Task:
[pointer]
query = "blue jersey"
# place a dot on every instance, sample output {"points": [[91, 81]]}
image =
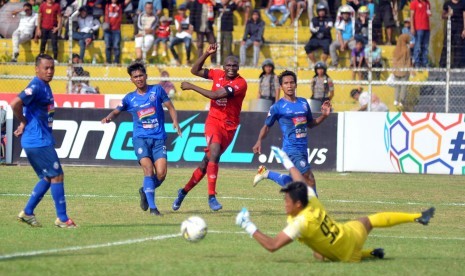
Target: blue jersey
{"points": [[147, 112], [293, 118], [38, 108]]}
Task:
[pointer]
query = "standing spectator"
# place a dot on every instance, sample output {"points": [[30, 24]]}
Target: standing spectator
{"points": [[363, 98], [227, 27], [146, 25], [268, 83], [112, 34], [322, 87], [167, 85], [35, 5], [357, 59], [2, 134], [384, 15], [407, 30], [163, 35], [420, 11], [274, 6], [202, 18], [246, 7], [296, 7], [48, 25], [67, 8], [156, 6], [376, 58], [371, 7], [401, 60], [355, 4], [321, 34], [183, 34], [87, 25], [345, 31], [25, 30], [361, 25], [455, 9], [253, 35]]}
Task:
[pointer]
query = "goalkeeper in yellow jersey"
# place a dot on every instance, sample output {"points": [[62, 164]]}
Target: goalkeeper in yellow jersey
{"points": [[309, 223]]}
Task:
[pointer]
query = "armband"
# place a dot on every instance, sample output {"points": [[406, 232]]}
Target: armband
{"points": [[205, 73], [229, 91]]}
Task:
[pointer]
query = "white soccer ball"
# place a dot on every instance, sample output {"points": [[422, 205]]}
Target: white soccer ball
{"points": [[194, 229]]}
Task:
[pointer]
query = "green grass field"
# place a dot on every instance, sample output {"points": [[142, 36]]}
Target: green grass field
{"points": [[116, 238]]}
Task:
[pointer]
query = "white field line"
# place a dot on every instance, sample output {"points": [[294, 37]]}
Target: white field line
{"points": [[253, 199], [164, 237]]}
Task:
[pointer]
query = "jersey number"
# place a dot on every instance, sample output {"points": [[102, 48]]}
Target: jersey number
{"points": [[329, 229]]}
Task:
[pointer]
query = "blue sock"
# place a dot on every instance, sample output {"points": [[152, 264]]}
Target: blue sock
{"points": [[281, 179], [58, 194], [149, 189], [36, 196], [157, 181]]}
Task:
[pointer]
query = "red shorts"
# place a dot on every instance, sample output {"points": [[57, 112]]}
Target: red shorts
{"points": [[216, 133]]}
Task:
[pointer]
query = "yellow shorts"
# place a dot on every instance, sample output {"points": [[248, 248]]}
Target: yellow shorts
{"points": [[359, 235]]}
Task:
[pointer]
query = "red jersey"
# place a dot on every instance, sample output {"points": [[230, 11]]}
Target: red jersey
{"points": [[421, 10], [163, 31], [114, 16], [49, 15], [228, 109]]}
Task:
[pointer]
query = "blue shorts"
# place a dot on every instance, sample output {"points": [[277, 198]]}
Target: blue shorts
{"points": [[149, 147], [44, 161], [300, 160]]}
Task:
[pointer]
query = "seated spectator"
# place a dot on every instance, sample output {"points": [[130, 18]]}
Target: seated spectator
{"points": [[322, 87], [35, 5], [376, 58], [401, 60], [183, 34], [361, 25], [163, 35], [407, 30], [345, 31], [363, 98], [274, 6], [296, 7], [146, 25], [268, 83], [253, 35], [227, 8], [357, 59], [167, 85], [25, 30], [321, 34], [80, 86], [245, 6], [87, 26], [112, 31], [384, 15], [96, 8]]}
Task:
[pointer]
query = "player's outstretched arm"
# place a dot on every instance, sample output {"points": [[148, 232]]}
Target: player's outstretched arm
{"points": [[113, 115], [325, 111], [218, 94], [197, 67], [174, 116], [17, 107], [257, 148], [269, 243]]}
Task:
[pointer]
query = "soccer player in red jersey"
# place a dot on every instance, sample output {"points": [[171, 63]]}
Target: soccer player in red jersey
{"points": [[227, 94]]}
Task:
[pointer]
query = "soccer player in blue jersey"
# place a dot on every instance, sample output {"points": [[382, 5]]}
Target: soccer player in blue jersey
{"points": [[146, 106], [34, 108], [294, 117]]}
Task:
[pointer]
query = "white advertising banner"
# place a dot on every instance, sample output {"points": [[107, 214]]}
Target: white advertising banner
{"points": [[432, 143]]}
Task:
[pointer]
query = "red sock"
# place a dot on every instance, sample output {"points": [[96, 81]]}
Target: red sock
{"points": [[212, 173], [195, 178]]}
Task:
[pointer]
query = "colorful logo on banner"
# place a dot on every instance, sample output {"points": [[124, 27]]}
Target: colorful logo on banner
{"points": [[427, 143]]}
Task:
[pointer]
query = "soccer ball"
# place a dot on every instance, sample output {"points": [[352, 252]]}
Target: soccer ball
{"points": [[194, 229]]}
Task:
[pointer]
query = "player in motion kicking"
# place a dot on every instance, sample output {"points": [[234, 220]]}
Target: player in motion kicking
{"points": [[227, 93]]}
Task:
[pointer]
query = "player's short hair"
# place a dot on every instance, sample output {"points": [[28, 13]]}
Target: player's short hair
{"points": [[40, 57], [136, 66], [297, 192], [231, 57], [286, 73]]}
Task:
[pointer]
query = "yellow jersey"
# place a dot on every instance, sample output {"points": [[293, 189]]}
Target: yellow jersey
{"points": [[335, 241]]}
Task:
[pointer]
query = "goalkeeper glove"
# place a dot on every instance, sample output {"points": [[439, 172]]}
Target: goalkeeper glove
{"points": [[282, 156], [243, 220]]}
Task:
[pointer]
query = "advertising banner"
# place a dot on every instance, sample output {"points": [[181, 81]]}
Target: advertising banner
{"points": [[429, 143], [65, 100], [82, 139]]}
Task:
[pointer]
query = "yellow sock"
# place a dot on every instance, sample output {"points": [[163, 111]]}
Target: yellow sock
{"points": [[366, 253], [390, 219]]}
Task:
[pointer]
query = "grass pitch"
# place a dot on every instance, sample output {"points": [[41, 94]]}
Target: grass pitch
{"points": [[116, 238]]}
